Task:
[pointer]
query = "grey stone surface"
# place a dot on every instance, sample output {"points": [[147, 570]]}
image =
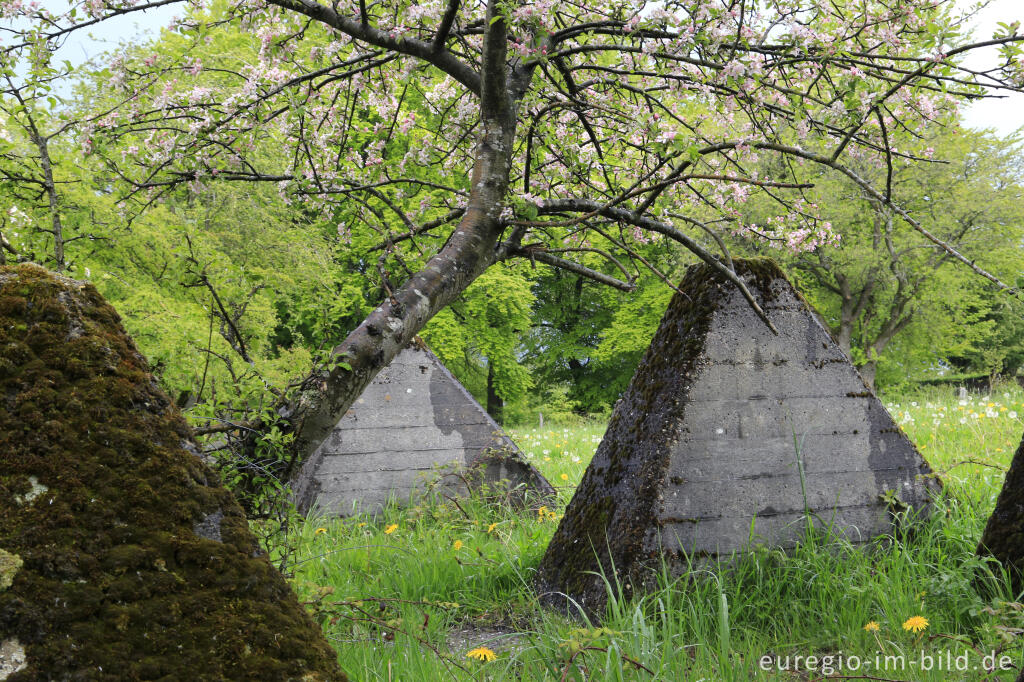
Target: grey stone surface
{"points": [[701, 455], [209, 526], [413, 425], [12, 657]]}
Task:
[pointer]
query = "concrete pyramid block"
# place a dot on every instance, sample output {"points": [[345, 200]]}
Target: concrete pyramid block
{"points": [[413, 423], [700, 457]]}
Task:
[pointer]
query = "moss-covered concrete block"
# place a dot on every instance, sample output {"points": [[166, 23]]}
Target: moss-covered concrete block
{"points": [[133, 562], [729, 436], [1003, 538]]}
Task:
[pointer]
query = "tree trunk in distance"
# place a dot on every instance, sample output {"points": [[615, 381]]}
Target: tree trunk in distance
{"points": [[867, 372], [495, 406]]}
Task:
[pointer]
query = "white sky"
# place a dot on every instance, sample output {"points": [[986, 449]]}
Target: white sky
{"points": [[137, 26], [1004, 115]]}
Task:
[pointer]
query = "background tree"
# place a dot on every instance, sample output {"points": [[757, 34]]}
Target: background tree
{"points": [[26, 164], [501, 127], [478, 337], [587, 338], [884, 282]]}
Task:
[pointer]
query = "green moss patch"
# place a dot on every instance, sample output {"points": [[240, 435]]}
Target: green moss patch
{"points": [[137, 563], [10, 564]]}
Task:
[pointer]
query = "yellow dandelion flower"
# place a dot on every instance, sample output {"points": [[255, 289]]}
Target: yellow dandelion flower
{"points": [[915, 624], [320, 530], [490, 528], [871, 626], [564, 477], [391, 529], [361, 525], [482, 653], [457, 545]]}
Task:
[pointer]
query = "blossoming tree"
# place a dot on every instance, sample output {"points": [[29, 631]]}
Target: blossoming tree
{"points": [[563, 132]]}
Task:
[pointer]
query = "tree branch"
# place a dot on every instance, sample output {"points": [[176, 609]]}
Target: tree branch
{"points": [[446, 25], [644, 222], [392, 239], [442, 59], [538, 253]]}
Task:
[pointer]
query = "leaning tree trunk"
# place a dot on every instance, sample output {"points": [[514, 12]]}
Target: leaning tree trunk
{"points": [[470, 250], [1003, 538], [121, 555]]}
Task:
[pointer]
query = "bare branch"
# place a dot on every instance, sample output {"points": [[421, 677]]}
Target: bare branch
{"points": [[539, 253], [392, 239]]}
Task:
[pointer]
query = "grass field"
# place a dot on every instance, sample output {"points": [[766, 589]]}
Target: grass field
{"points": [[408, 595]]}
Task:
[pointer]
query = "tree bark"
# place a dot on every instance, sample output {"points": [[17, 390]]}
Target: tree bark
{"points": [[1003, 538], [5, 246]]}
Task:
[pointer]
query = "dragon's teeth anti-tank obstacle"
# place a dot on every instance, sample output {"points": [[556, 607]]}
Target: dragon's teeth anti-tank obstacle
{"points": [[725, 436], [414, 424], [121, 555]]}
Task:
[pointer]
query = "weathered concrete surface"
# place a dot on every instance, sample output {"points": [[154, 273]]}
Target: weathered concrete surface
{"points": [[700, 449], [414, 423], [121, 555]]}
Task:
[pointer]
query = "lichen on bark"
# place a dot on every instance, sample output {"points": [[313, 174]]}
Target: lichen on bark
{"points": [[137, 563]]}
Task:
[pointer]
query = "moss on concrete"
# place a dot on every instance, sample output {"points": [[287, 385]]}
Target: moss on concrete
{"points": [[1003, 538], [138, 564], [10, 564]]}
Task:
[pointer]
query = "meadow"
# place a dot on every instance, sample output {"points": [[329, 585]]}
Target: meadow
{"points": [[441, 589]]}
